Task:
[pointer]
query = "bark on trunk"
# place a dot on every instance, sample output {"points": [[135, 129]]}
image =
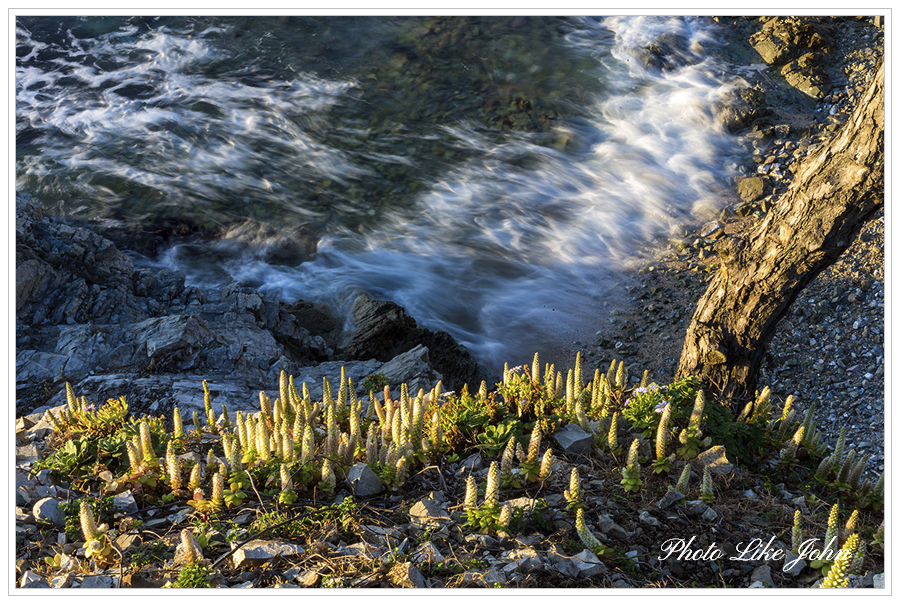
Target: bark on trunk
{"points": [[833, 193]]}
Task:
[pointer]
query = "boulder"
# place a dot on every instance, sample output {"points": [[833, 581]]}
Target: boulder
{"points": [[379, 329], [763, 573], [68, 274], [364, 481], [27, 453], [382, 330], [126, 503], [669, 499], [47, 510], [739, 109], [167, 285], [61, 581], [793, 564], [526, 558], [587, 564], [648, 518], [610, 528], [562, 562], [427, 553], [361, 550], [782, 39], [413, 368], [476, 578], [752, 188], [667, 52], [171, 336], [428, 513], [807, 75], [716, 460], [574, 440]]}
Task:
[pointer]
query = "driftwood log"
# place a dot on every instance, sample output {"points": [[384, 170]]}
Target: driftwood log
{"points": [[834, 192]]}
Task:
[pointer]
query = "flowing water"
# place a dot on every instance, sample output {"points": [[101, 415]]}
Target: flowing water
{"points": [[496, 176]]}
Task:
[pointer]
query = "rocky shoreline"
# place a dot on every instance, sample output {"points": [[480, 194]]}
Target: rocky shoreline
{"points": [[829, 349], [86, 316]]}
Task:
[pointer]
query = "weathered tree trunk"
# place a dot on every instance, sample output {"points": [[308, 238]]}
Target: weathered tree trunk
{"points": [[833, 193]]}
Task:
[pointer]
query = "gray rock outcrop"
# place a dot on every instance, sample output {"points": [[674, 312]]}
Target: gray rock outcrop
{"points": [[85, 315]]}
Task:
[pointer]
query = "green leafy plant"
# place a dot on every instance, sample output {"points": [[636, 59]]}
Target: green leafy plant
{"points": [[193, 576], [375, 382], [495, 437]]}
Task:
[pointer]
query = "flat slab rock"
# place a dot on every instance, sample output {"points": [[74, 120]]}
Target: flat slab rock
{"points": [[257, 552]]}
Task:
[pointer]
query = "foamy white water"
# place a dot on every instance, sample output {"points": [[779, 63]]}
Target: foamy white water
{"points": [[515, 249]]}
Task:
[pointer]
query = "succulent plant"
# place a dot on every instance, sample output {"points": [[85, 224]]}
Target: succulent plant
{"points": [[662, 464], [683, 480], [837, 575], [492, 490], [859, 556], [587, 537], [706, 488], [534, 445], [471, 500], [612, 438], [97, 544], [506, 461], [149, 459], [192, 553], [796, 533], [547, 463], [218, 490], [505, 518], [573, 493], [328, 481], [789, 451], [207, 406], [691, 436], [177, 422], [631, 473], [831, 543], [134, 456], [173, 468]]}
